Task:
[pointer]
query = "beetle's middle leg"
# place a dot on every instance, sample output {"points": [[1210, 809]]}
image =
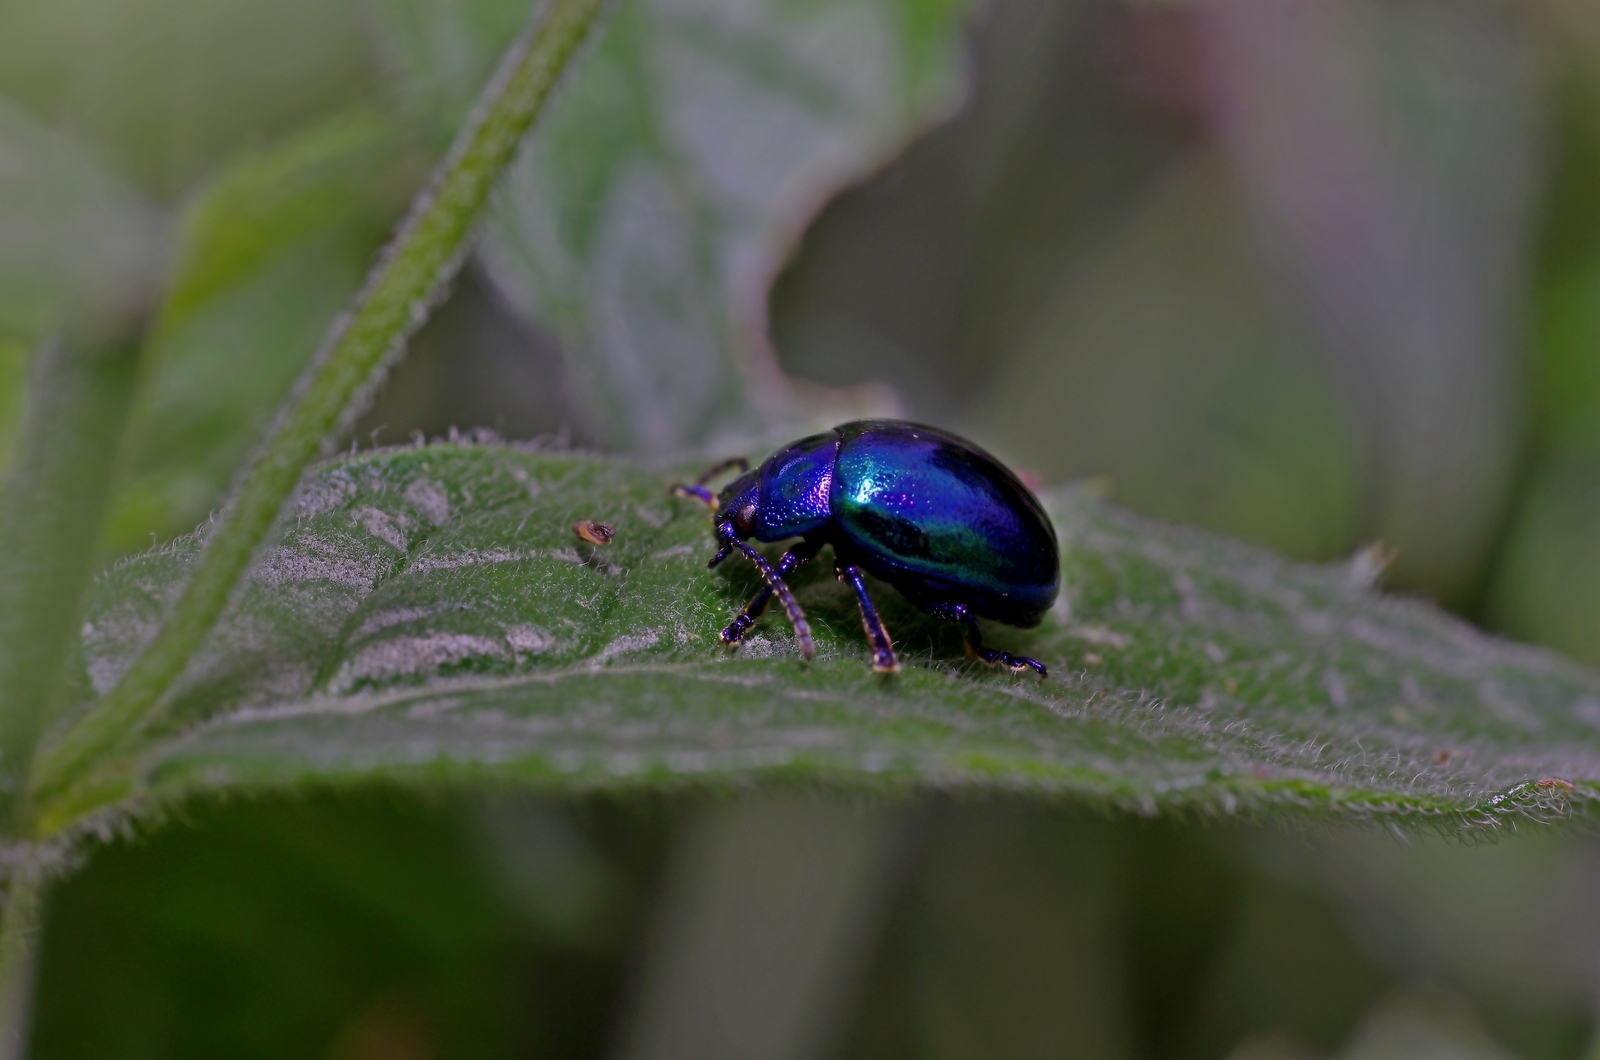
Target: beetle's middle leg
{"points": [[883, 660], [792, 560]]}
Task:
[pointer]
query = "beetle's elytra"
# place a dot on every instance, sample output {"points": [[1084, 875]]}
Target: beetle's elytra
{"points": [[930, 513]]}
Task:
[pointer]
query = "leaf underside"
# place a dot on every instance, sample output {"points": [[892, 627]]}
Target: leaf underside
{"points": [[429, 614]]}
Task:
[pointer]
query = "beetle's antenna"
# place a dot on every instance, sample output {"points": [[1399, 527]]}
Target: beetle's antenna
{"points": [[696, 493], [699, 492], [716, 469], [780, 589]]}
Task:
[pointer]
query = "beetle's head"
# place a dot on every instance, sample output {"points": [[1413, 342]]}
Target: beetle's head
{"points": [[739, 501]]}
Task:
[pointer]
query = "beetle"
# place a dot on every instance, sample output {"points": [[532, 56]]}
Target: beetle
{"points": [[945, 523]]}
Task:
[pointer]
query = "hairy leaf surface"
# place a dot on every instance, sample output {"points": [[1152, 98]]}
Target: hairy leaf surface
{"points": [[429, 613]]}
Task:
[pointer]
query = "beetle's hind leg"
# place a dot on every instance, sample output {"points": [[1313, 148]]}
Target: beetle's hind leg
{"points": [[883, 659], [993, 656], [792, 560]]}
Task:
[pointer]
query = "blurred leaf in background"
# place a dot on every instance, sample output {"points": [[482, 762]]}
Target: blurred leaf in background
{"points": [[1068, 270], [170, 89], [277, 237], [178, 99], [74, 239], [1421, 1026], [268, 253], [1547, 584], [1390, 158], [352, 928], [645, 222], [1170, 335], [71, 232], [1007, 941], [1509, 928], [1262, 268]]}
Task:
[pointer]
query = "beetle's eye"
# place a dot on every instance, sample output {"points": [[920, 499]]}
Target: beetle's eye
{"points": [[744, 520]]}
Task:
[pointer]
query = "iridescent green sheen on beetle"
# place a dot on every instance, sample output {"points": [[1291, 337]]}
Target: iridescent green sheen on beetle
{"points": [[930, 513]]}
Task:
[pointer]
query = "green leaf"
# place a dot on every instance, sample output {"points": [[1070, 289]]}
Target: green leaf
{"points": [[651, 212], [298, 917], [350, 168], [1548, 570], [267, 255], [13, 373], [429, 615], [75, 243], [1212, 410], [52, 502], [73, 238], [168, 90], [424, 255]]}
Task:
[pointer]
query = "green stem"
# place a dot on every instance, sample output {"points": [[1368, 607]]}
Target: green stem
{"points": [[19, 938], [418, 264]]}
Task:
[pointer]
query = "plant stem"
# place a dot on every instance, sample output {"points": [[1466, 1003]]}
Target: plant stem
{"points": [[19, 937], [421, 260]]}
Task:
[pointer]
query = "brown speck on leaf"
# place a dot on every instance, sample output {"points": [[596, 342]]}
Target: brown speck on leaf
{"points": [[1546, 783], [1448, 755], [593, 532]]}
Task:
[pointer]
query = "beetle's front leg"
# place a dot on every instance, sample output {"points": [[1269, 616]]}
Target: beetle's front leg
{"points": [[729, 535], [792, 560]]}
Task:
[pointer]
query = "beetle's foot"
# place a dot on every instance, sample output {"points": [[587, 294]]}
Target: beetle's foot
{"points": [[802, 633], [884, 662], [1015, 663], [994, 657], [1018, 663], [733, 635]]}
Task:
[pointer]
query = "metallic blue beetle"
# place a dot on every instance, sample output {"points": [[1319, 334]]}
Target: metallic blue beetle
{"points": [[931, 514]]}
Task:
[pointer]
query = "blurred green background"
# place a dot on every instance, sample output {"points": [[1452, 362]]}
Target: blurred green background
{"points": [[1308, 272]]}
